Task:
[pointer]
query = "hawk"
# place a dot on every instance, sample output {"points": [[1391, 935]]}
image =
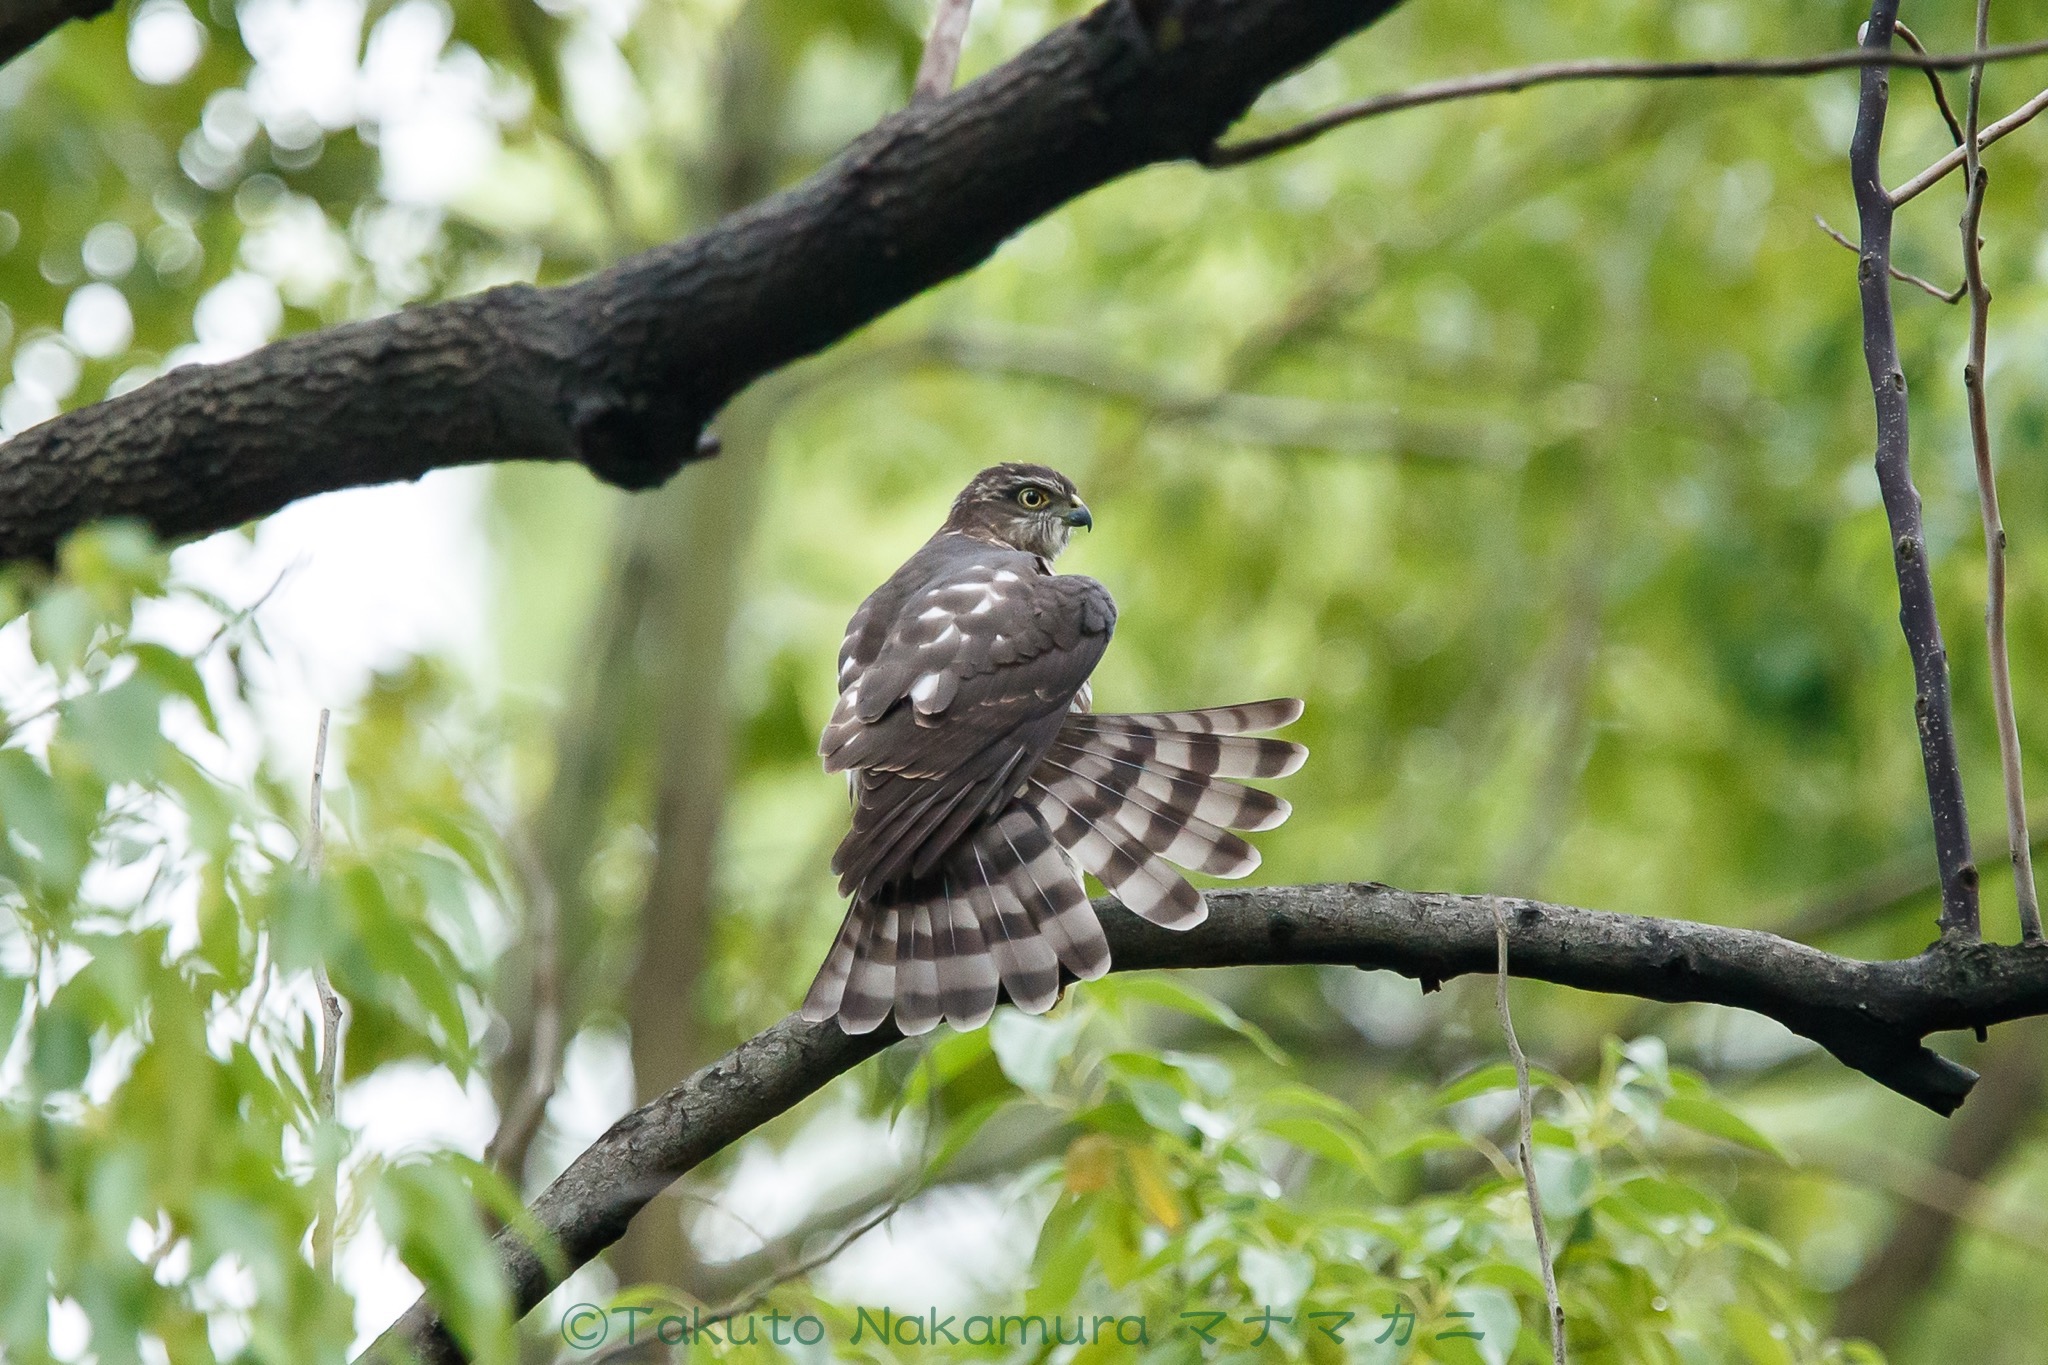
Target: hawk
{"points": [[982, 783]]}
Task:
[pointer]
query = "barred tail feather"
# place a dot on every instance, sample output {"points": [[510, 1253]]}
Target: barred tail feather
{"points": [[871, 986], [1026, 962], [1217, 800], [917, 975], [967, 972], [1247, 718], [1179, 836], [1052, 894], [1122, 796], [1129, 870], [1200, 755], [829, 986]]}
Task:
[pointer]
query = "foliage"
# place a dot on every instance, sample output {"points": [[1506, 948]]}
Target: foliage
{"points": [[160, 1131]]}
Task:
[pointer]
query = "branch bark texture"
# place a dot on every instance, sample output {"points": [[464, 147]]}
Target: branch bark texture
{"points": [[1871, 1015], [1931, 707], [24, 23], [620, 372]]}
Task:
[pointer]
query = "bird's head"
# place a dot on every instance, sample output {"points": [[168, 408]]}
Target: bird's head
{"points": [[1023, 506]]}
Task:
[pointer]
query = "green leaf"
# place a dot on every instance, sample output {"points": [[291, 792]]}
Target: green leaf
{"points": [[116, 729], [1277, 1279], [176, 676], [1705, 1115], [61, 627], [1164, 991], [1031, 1049], [427, 1212], [60, 1052], [1492, 1077], [1495, 1316], [1315, 1134]]}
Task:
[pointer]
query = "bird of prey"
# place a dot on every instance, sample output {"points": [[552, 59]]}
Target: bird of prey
{"points": [[980, 779]]}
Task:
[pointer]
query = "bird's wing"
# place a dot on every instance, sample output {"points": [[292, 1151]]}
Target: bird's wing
{"points": [[951, 691]]}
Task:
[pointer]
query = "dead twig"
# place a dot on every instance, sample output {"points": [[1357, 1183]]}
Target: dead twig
{"points": [[1934, 174], [1954, 295], [1948, 115], [1987, 499], [522, 1120], [1604, 69], [330, 1030], [942, 50], [1525, 1138]]}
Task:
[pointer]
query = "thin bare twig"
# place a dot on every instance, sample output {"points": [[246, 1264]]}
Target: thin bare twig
{"points": [[751, 1298], [1948, 115], [1954, 295], [330, 1028], [942, 50], [1917, 618], [1604, 69], [522, 1120], [1525, 1138], [1977, 178], [2018, 118]]}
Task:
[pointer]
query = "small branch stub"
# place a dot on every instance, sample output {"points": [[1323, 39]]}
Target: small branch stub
{"points": [[942, 47]]}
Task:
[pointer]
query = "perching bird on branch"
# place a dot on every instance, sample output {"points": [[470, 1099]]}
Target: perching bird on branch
{"points": [[980, 779]]}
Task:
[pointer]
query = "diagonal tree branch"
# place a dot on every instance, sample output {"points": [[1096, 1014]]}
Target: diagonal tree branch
{"points": [[621, 371], [24, 23], [2018, 118], [1871, 1015]]}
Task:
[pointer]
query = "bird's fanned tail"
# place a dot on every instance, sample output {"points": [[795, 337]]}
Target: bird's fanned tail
{"points": [[1122, 796]]}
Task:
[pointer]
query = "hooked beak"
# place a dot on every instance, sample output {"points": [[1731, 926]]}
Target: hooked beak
{"points": [[1080, 516]]}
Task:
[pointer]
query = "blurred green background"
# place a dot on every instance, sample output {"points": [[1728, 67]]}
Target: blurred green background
{"points": [[1527, 438]]}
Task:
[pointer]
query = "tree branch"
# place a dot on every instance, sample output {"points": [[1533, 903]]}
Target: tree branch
{"points": [[621, 371], [1604, 69], [2016, 119], [1525, 1142], [1954, 295], [528, 1107], [1948, 115], [328, 1078], [1976, 179], [1279, 420], [24, 23], [1907, 1266], [1917, 617], [1871, 1015], [942, 49]]}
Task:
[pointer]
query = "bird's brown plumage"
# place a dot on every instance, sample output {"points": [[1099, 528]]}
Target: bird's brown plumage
{"points": [[980, 780]]}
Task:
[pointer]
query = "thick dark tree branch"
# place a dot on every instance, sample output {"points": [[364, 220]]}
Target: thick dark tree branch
{"points": [[1871, 1015], [24, 23], [1917, 616], [621, 371]]}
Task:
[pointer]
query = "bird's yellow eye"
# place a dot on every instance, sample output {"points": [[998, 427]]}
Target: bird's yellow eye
{"points": [[1032, 497]]}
